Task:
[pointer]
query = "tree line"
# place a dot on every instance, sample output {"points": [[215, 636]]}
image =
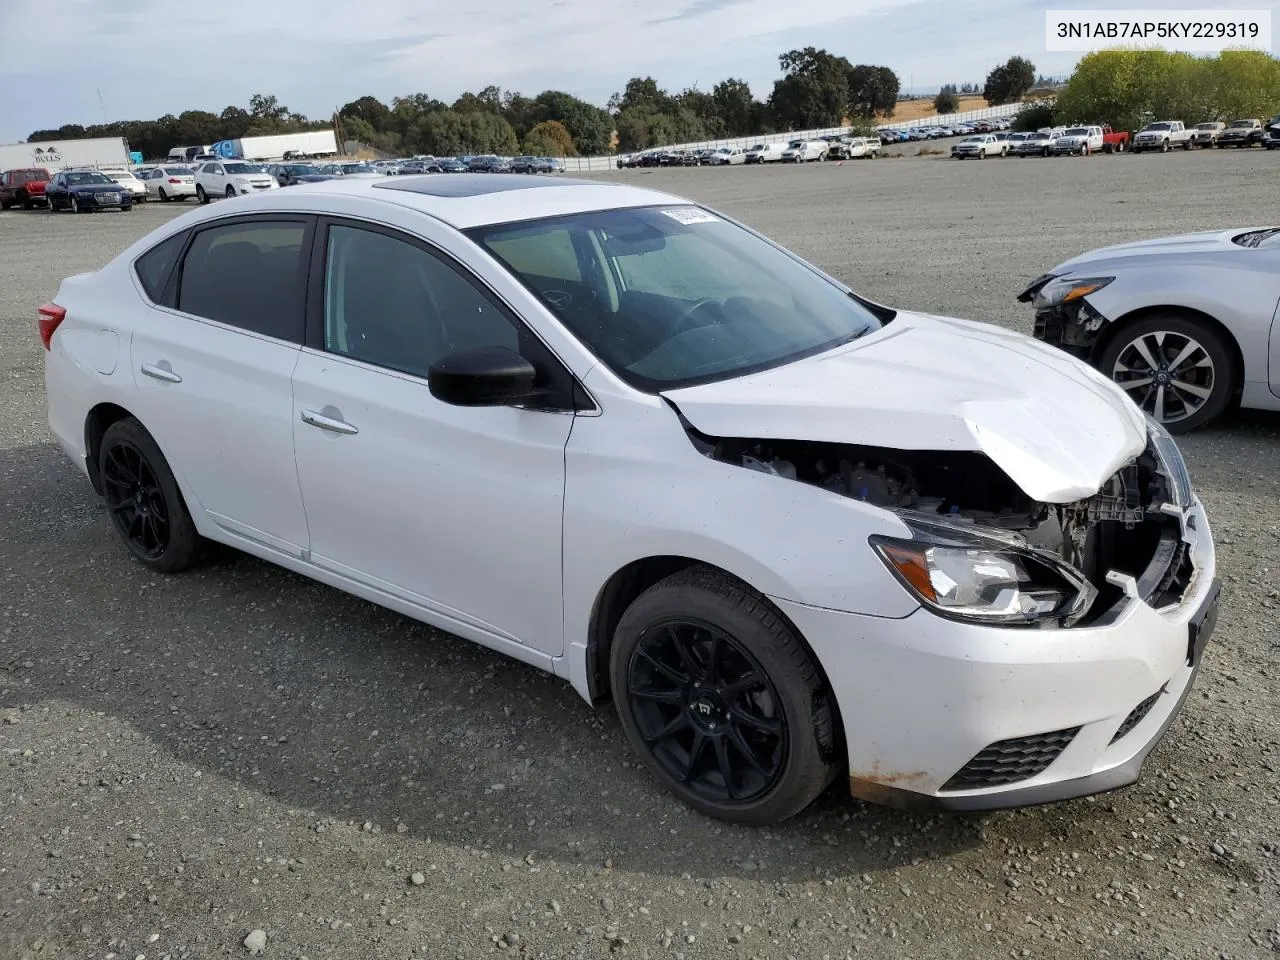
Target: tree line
{"points": [[1130, 88], [817, 89], [1007, 83]]}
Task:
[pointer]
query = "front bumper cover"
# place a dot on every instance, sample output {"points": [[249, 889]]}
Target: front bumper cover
{"points": [[1200, 630]]}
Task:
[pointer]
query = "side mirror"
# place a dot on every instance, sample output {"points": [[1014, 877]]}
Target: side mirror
{"points": [[483, 377]]}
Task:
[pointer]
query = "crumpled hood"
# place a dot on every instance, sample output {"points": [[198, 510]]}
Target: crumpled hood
{"points": [[1058, 428]]}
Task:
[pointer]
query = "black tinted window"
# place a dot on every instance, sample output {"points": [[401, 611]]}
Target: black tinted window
{"points": [[250, 275], [154, 266], [391, 303]]}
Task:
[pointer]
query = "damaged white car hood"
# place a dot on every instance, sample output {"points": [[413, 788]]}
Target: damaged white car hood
{"points": [[1058, 428]]}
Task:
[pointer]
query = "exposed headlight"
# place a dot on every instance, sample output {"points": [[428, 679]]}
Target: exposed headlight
{"points": [[967, 576], [1171, 462], [1067, 289]]}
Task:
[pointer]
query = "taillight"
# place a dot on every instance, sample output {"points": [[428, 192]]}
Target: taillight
{"points": [[50, 316], [174, 180]]}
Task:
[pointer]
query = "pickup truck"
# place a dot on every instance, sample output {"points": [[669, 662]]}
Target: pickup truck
{"points": [[23, 188], [1207, 134], [1242, 133], [1163, 135], [1114, 141]]}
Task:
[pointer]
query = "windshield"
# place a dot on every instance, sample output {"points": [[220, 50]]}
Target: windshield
{"points": [[1159, 126], [672, 296], [1205, 126], [242, 168], [1076, 132], [357, 168], [1236, 125], [299, 168], [78, 178]]}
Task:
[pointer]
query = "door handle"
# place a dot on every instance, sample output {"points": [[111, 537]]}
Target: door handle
{"points": [[327, 423], [160, 373]]}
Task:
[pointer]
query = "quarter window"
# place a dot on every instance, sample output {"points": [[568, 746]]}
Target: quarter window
{"points": [[154, 266], [249, 275], [391, 303]]}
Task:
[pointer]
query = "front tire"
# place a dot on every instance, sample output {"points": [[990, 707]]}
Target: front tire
{"points": [[143, 499], [1191, 382], [722, 700], [201, 195]]}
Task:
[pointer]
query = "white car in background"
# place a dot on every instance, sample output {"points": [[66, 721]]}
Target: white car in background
{"points": [[862, 148], [169, 182], [1078, 141], [137, 189], [765, 153], [981, 145], [1186, 325], [230, 178], [794, 534], [726, 157], [802, 151]]}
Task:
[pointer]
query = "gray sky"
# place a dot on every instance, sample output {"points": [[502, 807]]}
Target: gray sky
{"points": [[149, 57]]}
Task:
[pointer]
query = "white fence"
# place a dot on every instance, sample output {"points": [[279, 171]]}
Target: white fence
{"points": [[968, 116]]}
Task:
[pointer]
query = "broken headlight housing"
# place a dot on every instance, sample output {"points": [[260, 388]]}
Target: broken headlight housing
{"points": [[966, 575], [1068, 289], [1171, 462]]}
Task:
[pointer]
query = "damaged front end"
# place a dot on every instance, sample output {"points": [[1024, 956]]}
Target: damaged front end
{"points": [[982, 550], [1064, 317]]}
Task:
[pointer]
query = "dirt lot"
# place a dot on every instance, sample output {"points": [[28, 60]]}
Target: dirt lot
{"points": [[189, 759]]}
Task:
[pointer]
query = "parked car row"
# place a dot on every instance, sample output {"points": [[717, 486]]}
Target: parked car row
{"points": [[836, 147], [940, 130]]}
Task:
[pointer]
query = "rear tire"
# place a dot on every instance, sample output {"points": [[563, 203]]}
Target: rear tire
{"points": [[143, 499], [164, 197], [722, 699]]}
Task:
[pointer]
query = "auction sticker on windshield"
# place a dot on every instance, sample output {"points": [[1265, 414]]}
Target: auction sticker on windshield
{"points": [[691, 215]]}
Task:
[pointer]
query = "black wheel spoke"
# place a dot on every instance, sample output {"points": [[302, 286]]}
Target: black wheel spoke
{"points": [[699, 741], [659, 696], [751, 681], [763, 724], [668, 671], [687, 659], [678, 723], [742, 747], [726, 768], [715, 647]]}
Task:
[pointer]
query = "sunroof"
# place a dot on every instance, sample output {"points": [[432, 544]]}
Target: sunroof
{"points": [[472, 184]]}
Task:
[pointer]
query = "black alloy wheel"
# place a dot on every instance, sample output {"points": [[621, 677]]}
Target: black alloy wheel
{"points": [[132, 493], [143, 499], [707, 711], [723, 700]]}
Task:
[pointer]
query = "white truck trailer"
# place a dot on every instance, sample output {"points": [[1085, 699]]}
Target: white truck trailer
{"points": [[55, 155]]}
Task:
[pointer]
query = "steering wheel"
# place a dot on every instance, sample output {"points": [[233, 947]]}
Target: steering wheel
{"points": [[697, 305]]}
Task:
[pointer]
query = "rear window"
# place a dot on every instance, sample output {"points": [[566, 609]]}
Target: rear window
{"points": [[177, 171], [30, 176]]}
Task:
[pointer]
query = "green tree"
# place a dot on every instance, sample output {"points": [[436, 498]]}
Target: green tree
{"points": [[549, 139], [1008, 82], [873, 91], [590, 127], [641, 92], [520, 111], [736, 107], [369, 109], [1033, 116], [813, 91], [947, 100], [266, 107]]}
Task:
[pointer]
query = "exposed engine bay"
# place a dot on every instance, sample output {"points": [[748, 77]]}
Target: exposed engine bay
{"points": [[1128, 527]]}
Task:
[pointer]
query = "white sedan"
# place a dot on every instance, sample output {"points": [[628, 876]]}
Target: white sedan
{"points": [[792, 533], [230, 178], [169, 183], [137, 189]]}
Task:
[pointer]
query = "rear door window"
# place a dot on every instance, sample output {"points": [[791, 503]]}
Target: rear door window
{"points": [[249, 274], [154, 266]]}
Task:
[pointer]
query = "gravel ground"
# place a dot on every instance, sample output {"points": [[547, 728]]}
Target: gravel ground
{"points": [[191, 761]]}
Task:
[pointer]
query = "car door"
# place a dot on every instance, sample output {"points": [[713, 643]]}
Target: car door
{"points": [[455, 510], [214, 179], [213, 358]]}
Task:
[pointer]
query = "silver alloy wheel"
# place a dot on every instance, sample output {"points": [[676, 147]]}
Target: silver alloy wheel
{"points": [[1169, 375]]}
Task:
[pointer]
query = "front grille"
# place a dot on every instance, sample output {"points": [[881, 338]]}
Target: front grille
{"points": [[1010, 761], [1136, 716]]}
